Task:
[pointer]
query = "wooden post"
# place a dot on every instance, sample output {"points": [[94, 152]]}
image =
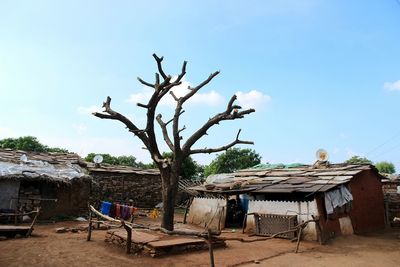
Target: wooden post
{"points": [[319, 230], [33, 222], [387, 219], [220, 218], [298, 239], [129, 237], [210, 248], [89, 235], [244, 223], [187, 209]]}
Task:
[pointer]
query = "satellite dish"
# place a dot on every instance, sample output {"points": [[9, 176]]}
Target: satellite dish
{"points": [[23, 158], [322, 155], [98, 159]]}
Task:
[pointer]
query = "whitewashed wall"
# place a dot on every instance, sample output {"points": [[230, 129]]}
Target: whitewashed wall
{"points": [[208, 212], [303, 210]]}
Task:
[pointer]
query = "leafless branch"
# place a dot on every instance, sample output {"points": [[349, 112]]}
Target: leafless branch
{"points": [[157, 79], [174, 96], [145, 83], [231, 113], [165, 132], [183, 72], [222, 148], [160, 69], [142, 105], [194, 90], [181, 130], [113, 115]]}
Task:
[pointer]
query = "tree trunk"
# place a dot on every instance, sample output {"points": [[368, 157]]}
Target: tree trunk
{"points": [[170, 189]]}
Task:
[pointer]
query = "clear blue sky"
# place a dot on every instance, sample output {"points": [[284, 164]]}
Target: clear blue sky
{"points": [[321, 74]]}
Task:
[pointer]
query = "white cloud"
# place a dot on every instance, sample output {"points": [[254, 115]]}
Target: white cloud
{"points": [[394, 86], [141, 97], [80, 128], [211, 98], [253, 99], [88, 110]]}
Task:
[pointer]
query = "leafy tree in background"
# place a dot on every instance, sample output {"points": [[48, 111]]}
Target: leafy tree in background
{"points": [[358, 160], [28, 143], [385, 167], [190, 168], [232, 160], [120, 160]]}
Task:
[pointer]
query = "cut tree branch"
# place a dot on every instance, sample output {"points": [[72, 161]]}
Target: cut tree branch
{"points": [[181, 130], [222, 148], [165, 132], [174, 96], [113, 115], [194, 90], [142, 105], [160, 69], [231, 113], [145, 83]]}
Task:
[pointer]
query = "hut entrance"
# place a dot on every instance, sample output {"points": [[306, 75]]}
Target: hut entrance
{"points": [[234, 213]]}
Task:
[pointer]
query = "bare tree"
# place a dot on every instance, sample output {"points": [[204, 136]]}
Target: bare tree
{"points": [[170, 167]]}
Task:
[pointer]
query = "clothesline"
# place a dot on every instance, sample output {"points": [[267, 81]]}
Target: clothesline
{"points": [[116, 210]]}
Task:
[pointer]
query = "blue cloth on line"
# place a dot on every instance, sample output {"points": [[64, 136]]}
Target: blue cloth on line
{"points": [[105, 208]]}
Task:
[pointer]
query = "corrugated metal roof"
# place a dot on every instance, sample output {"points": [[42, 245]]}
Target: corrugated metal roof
{"points": [[305, 179]]}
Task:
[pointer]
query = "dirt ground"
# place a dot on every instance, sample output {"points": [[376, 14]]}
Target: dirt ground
{"points": [[47, 248]]}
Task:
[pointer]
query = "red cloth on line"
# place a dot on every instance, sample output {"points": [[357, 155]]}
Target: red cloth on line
{"points": [[117, 210]]}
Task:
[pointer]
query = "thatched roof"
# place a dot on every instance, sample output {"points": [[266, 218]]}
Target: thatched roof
{"points": [[52, 167]]}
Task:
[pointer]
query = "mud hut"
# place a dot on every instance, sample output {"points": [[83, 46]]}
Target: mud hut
{"points": [[54, 181]]}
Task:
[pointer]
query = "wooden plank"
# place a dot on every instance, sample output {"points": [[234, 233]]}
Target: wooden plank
{"points": [[5, 228], [139, 237], [175, 242]]}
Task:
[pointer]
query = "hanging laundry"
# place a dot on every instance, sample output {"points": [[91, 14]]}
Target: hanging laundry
{"points": [[112, 210], [125, 214], [337, 198], [105, 208], [118, 210]]}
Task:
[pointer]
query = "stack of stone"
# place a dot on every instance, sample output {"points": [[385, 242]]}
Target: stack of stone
{"points": [[29, 198]]}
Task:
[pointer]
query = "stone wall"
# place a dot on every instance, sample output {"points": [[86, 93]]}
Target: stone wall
{"points": [[144, 190], [29, 196], [392, 206], [390, 187], [71, 199]]}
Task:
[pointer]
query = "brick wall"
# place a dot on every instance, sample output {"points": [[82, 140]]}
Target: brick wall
{"points": [[144, 190]]}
